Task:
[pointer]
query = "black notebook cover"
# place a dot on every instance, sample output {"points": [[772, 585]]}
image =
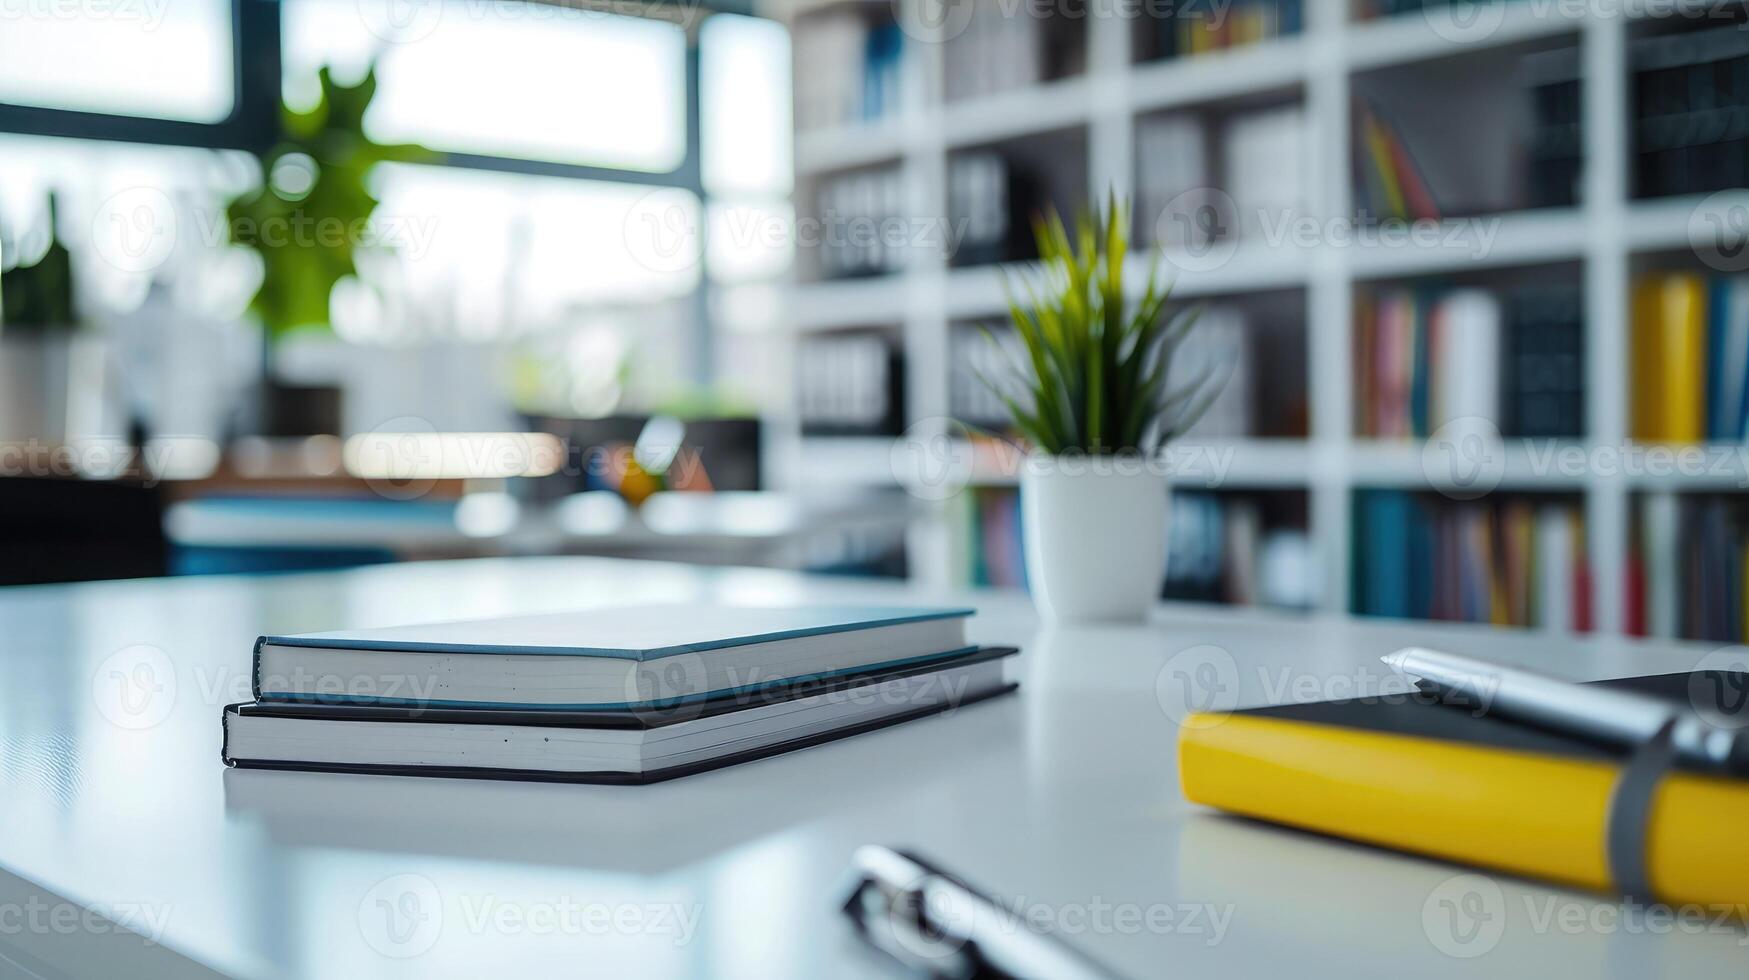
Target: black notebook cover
{"points": [[1717, 694]]}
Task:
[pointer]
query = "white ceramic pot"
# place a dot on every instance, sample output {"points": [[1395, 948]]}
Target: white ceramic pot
{"points": [[1095, 538]]}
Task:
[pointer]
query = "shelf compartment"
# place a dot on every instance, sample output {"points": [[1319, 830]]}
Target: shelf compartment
{"points": [[1407, 38]]}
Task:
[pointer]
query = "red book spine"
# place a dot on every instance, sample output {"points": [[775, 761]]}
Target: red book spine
{"points": [[1634, 615]]}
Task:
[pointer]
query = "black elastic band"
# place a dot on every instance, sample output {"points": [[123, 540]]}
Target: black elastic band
{"points": [[1630, 814]]}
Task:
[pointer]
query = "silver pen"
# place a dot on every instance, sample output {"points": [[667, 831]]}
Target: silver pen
{"points": [[1613, 717], [936, 924]]}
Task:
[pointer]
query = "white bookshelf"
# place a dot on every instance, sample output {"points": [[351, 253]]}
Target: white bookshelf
{"points": [[1318, 68]]}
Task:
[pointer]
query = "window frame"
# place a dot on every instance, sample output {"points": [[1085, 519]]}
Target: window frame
{"points": [[254, 123]]}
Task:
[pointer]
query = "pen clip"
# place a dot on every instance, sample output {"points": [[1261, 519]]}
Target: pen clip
{"points": [[889, 906]]}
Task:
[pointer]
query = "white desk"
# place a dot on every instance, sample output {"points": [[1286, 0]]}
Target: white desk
{"points": [[1064, 796]]}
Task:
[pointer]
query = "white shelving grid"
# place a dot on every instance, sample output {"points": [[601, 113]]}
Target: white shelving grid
{"points": [[1602, 235]]}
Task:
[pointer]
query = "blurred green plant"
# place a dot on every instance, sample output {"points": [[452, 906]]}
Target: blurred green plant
{"points": [[38, 296], [312, 214], [1095, 375]]}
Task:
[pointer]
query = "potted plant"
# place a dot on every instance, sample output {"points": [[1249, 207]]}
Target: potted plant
{"points": [[1091, 395], [308, 223]]}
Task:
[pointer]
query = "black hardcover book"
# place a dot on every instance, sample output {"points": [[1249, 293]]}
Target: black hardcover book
{"points": [[1545, 364]]}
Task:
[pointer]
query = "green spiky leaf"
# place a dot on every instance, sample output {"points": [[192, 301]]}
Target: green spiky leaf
{"points": [[1097, 369]]}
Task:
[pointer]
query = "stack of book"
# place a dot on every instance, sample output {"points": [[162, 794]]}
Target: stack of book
{"points": [[848, 206], [1557, 136], [1690, 133], [1219, 343], [991, 201], [1426, 357], [1420, 156], [1175, 183], [1544, 376], [850, 383], [1240, 548], [982, 354], [1179, 189], [1688, 568], [1012, 44], [1195, 27], [853, 67], [1510, 561], [630, 695], [996, 549], [1388, 181], [1691, 359]]}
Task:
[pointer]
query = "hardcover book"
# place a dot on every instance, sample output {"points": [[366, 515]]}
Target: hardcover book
{"points": [[1456, 783], [599, 660], [603, 746]]}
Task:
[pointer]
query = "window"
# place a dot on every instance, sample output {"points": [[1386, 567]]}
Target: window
{"points": [[524, 80], [744, 79], [494, 254], [132, 215], [158, 60]]}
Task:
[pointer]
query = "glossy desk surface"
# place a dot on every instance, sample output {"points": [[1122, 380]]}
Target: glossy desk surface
{"points": [[1063, 799]]}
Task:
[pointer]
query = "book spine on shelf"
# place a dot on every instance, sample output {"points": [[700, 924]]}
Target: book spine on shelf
{"points": [[1508, 562], [1687, 127]]}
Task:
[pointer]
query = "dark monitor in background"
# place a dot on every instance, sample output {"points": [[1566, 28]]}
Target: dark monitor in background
{"points": [[72, 530]]}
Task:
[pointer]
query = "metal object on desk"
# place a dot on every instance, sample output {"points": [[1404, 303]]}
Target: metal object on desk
{"points": [[934, 923], [1619, 718]]}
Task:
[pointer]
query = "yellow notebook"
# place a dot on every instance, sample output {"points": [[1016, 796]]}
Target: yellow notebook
{"points": [[1442, 782], [1669, 359]]}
